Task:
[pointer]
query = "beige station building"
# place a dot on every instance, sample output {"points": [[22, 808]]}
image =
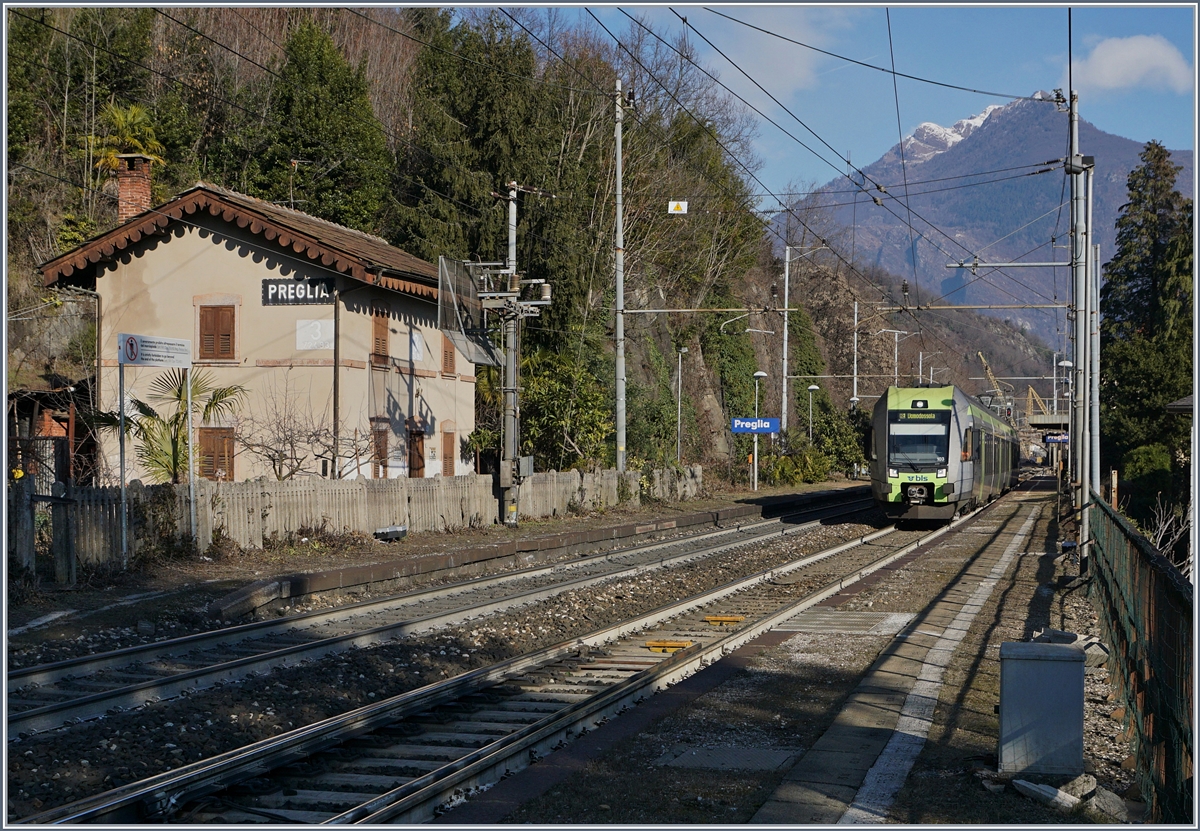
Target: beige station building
{"points": [[267, 296]]}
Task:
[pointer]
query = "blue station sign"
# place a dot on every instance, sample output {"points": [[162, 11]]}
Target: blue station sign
{"points": [[754, 425]]}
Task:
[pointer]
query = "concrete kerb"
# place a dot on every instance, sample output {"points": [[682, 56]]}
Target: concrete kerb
{"points": [[271, 592]]}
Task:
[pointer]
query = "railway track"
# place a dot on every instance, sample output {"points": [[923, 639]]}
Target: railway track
{"points": [[71, 691], [400, 759]]}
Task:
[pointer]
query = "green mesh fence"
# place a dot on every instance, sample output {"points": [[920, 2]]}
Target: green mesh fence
{"points": [[1145, 607]]}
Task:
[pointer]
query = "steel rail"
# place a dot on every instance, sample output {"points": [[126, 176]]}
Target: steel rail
{"points": [[96, 704], [160, 795], [70, 667]]}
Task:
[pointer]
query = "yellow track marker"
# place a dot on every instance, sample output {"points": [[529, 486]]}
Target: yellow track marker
{"points": [[724, 620], [667, 646]]}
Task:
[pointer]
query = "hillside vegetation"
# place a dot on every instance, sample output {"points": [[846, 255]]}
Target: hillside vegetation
{"points": [[405, 124]]}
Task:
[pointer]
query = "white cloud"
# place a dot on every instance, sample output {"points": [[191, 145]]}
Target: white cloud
{"points": [[1141, 61], [785, 69]]}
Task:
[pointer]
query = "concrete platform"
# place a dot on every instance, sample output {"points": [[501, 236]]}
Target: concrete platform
{"points": [[852, 772]]}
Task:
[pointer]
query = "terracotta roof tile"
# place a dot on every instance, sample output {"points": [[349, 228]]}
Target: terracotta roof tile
{"points": [[359, 255]]}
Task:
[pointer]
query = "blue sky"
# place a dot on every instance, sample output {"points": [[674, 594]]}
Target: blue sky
{"points": [[1134, 69]]}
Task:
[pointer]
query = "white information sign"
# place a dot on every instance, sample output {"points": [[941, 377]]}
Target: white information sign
{"points": [[141, 350], [416, 346], [676, 207], [314, 334]]}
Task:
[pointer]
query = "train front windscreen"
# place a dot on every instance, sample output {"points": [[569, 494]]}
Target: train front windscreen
{"points": [[918, 439]]}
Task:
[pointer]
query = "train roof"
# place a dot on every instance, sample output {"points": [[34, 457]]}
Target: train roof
{"points": [[941, 398]]}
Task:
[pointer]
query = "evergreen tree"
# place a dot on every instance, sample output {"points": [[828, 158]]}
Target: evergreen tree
{"points": [[1146, 337], [327, 154], [1135, 278]]}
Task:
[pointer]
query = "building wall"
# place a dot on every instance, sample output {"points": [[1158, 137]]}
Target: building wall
{"points": [[158, 286]]}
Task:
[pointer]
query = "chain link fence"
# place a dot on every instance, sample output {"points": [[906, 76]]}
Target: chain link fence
{"points": [[1145, 607]]}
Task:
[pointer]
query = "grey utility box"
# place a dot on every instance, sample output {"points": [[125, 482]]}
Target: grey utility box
{"points": [[1041, 708]]}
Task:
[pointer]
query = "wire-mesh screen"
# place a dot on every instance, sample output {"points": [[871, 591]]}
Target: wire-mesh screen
{"points": [[1145, 608], [460, 314]]}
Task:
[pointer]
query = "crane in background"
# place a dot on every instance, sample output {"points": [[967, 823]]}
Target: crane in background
{"points": [[1031, 398], [1005, 409]]}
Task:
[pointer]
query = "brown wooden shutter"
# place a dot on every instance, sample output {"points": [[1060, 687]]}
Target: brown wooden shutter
{"points": [[216, 453], [448, 454], [448, 355], [217, 332], [379, 341]]}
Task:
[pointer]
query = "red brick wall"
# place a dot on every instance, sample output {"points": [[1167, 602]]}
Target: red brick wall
{"points": [[47, 426], [133, 187]]}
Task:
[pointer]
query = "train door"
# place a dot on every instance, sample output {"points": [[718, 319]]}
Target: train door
{"points": [[965, 476]]}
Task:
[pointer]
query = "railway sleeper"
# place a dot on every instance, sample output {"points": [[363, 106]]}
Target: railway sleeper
{"points": [[427, 753], [401, 767], [307, 798], [365, 781]]}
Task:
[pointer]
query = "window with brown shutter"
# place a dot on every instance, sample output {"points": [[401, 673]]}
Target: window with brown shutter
{"points": [[379, 340], [448, 454], [447, 355], [215, 458], [217, 333]]}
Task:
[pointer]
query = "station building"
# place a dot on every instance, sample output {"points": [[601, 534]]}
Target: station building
{"points": [[268, 295]]}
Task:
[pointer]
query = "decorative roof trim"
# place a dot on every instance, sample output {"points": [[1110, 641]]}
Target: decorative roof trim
{"points": [[201, 198]]}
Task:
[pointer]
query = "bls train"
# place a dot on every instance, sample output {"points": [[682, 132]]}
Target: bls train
{"points": [[935, 452]]}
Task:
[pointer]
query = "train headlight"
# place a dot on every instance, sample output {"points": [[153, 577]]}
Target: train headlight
{"points": [[941, 472], [893, 473]]}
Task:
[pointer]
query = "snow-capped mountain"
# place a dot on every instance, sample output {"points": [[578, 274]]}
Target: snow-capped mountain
{"points": [[992, 185], [929, 139]]}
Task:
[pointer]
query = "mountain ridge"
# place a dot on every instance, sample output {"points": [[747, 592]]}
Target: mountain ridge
{"points": [[1000, 193]]}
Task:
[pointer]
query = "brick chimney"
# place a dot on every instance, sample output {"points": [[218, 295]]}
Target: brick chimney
{"points": [[133, 185]]}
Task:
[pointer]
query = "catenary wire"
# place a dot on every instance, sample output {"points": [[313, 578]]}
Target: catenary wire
{"points": [[931, 225], [872, 66]]}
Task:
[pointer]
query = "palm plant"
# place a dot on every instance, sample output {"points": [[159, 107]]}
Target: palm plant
{"points": [[162, 437], [130, 131]]}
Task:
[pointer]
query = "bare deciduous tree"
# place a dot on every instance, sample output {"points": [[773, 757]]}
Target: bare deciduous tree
{"points": [[282, 432], [1168, 525]]}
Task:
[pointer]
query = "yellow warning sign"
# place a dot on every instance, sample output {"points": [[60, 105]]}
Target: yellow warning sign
{"points": [[676, 207]]}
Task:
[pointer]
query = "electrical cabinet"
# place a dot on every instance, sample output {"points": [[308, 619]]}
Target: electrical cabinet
{"points": [[1041, 708]]}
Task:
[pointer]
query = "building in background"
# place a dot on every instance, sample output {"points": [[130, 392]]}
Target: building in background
{"points": [[253, 286]]}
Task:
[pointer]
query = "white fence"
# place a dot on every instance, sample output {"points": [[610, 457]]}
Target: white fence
{"points": [[250, 512]]}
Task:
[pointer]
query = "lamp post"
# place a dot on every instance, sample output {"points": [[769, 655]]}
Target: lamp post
{"points": [[758, 375], [921, 367], [811, 389], [895, 352], [1054, 367], [679, 409], [1066, 366]]}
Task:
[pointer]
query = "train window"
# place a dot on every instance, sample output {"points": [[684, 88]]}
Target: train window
{"points": [[918, 437]]}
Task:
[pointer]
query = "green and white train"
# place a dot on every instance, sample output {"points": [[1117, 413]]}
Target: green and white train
{"points": [[935, 452]]}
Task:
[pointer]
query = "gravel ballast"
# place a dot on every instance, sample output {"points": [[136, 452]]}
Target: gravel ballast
{"points": [[56, 767]]}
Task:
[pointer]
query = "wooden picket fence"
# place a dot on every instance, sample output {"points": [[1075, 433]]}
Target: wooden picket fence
{"points": [[250, 513]]}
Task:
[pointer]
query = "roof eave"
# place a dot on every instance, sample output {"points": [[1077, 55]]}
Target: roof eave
{"points": [[102, 248]]}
